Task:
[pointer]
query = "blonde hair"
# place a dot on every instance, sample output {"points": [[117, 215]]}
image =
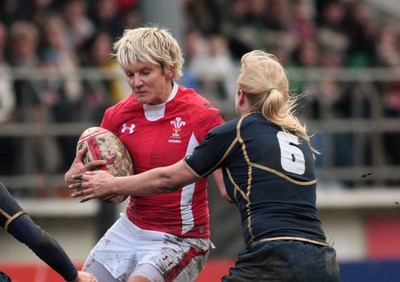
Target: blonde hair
{"points": [[264, 82], [25, 28], [151, 45]]}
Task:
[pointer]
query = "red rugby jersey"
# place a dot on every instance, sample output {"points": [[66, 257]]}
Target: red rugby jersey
{"points": [[160, 135]]}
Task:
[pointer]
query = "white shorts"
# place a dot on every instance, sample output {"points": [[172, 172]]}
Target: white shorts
{"points": [[126, 246]]}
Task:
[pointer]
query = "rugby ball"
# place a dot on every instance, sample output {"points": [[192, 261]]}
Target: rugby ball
{"points": [[102, 144]]}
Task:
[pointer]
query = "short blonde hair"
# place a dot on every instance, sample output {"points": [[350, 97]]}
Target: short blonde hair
{"points": [[24, 28], [151, 45], [264, 82]]}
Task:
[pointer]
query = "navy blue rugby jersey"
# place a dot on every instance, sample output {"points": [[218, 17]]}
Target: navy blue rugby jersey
{"points": [[268, 173]]}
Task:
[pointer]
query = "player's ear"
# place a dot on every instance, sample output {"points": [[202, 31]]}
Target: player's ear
{"points": [[241, 97], [169, 73], [241, 103]]}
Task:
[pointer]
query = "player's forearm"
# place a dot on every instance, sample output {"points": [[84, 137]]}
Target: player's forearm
{"points": [[155, 181], [26, 231], [147, 183], [100, 184], [44, 246]]}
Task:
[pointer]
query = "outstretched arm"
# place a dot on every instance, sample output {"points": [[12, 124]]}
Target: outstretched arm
{"points": [[43, 245], [21, 226], [47, 249], [98, 184]]}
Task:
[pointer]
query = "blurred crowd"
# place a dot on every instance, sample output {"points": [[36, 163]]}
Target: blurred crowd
{"points": [[66, 35]]}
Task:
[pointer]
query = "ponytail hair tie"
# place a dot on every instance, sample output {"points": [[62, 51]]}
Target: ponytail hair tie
{"points": [[270, 89]]}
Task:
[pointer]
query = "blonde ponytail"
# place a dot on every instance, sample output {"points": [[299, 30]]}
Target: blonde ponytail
{"points": [[264, 82], [280, 111]]}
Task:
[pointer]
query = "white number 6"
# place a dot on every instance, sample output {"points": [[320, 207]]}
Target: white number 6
{"points": [[292, 158]]}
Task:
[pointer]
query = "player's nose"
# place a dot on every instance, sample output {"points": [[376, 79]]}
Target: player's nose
{"points": [[137, 82]]}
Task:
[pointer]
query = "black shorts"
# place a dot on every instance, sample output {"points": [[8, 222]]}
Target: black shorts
{"points": [[285, 261], [9, 208]]}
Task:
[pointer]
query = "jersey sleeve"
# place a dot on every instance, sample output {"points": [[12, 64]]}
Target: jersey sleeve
{"points": [[44, 246], [106, 121], [211, 153], [16, 222], [205, 118]]}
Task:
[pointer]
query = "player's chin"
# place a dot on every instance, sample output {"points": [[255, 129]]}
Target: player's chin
{"points": [[148, 98], [142, 97]]}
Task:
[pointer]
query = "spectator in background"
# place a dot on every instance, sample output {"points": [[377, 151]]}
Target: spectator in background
{"points": [[55, 47], [235, 28], [23, 55], [100, 94], [361, 29], [194, 45], [12, 10], [104, 14], [24, 41], [203, 15], [62, 91], [391, 103], [7, 109], [274, 31], [307, 55], [214, 67], [78, 26], [332, 28], [124, 5], [336, 101], [302, 23], [38, 10], [387, 48], [7, 99], [388, 55], [131, 18], [246, 27]]}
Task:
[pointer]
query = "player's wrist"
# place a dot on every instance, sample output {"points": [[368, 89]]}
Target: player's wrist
{"points": [[117, 187]]}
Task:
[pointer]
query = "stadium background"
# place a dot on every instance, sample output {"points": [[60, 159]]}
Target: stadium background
{"points": [[344, 54]]}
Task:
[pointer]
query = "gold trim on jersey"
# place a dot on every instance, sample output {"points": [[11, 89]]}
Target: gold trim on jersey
{"points": [[10, 218], [246, 196], [249, 172], [280, 174], [287, 238]]}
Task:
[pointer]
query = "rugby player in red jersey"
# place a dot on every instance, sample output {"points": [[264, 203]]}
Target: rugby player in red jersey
{"points": [[162, 237]]}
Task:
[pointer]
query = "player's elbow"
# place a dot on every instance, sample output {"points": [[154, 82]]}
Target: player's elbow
{"points": [[173, 178], [169, 185], [169, 182]]}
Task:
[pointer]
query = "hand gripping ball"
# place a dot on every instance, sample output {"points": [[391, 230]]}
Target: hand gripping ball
{"points": [[102, 144]]}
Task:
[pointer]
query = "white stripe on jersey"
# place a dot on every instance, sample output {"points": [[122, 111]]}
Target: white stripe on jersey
{"points": [[187, 194]]}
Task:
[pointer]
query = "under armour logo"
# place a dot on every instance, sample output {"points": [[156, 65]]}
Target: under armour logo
{"points": [[166, 258], [125, 127]]}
